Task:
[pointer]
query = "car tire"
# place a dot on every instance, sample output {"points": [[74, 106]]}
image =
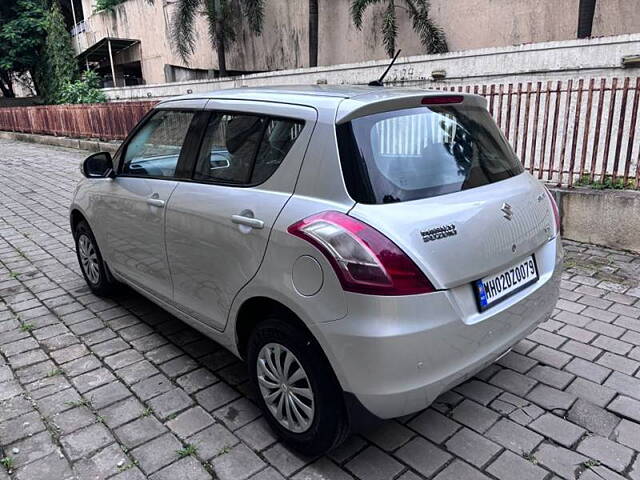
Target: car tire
{"points": [[329, 424], [94, 270]]}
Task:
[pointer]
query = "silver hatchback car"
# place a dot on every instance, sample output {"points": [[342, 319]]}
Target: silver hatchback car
{"points": [[364, 249]]}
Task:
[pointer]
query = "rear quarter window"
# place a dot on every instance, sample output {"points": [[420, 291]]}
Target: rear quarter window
{"points": [[423, 152]]}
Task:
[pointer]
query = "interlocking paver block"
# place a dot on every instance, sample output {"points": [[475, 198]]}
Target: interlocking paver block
{"points": [[513, 436], [20, 427], [592, 417], [472, 447], [196, 380], [186, 469], [474, 416], [122, 412], [423, 456], [590, 391], [237, 464], [190, 422], [559, 460], [509, 466], [102, 464], [612, 454], [434, 426], [460, 471], [322, 469], [517, 409], [284, 460], [170, 403], [140, 431], [559, 430], [46, 468], [624, 384], [258, 435], [628, 433], [479, 391], [212, 441], [390, 435], [513, 382], [551, 398], [625, 407], [31, 448], [85, 441], [158, 453]]}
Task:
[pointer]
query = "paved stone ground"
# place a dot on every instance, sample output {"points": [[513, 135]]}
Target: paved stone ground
{"points": [[93, 388]]}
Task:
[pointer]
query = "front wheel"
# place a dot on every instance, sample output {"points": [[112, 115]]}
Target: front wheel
{"points": [[95, 271], [296, 388]]}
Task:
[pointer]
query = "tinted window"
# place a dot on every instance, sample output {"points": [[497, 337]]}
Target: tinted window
{"points": [[155, 148], [423, 152], [244, 149], [278, 139]]}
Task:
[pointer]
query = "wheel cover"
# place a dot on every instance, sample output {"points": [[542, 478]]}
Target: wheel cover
{"points": [[285, 387], [89, 258]]}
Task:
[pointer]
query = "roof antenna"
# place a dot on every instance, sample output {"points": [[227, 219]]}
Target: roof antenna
{"points": [[378, 83]]}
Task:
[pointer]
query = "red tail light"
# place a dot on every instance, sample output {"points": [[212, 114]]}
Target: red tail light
{"points": [[441, 99], [364, 260], [556, 212]]}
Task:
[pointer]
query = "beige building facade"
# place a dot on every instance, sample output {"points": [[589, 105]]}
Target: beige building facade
{"points": [[142, 50]]}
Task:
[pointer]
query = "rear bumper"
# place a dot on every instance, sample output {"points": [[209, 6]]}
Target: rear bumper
{"points": [[398, 354]]}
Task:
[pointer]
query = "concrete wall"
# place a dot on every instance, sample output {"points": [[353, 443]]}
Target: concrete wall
{"points": [[468, 24], [602, 217]]}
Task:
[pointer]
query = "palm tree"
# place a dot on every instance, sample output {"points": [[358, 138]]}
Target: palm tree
{"points": [[313, 33], [220, 16], [431, 35]]}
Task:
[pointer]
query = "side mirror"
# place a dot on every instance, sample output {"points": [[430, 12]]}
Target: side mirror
{"points": [[98, 165]]}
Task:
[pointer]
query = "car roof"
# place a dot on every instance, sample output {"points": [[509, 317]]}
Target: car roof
{"points": [[285, 92], [347, 99]]}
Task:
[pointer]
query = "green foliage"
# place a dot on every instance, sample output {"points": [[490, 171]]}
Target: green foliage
{"points": [[608, 184], [107, 4], [431, 35], [223, 18], [60, 63], [85, 90], [187, 451], [7, 462], [22, 34]]}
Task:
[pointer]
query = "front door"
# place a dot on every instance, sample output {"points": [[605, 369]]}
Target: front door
{"points": [[218, 224], [133, 204]]}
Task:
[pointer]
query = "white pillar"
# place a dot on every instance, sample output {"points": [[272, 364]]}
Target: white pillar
{"points": [[113, 70]]}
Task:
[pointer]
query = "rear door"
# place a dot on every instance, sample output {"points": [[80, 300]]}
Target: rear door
{"points": [[219, 222], [442, 182]]}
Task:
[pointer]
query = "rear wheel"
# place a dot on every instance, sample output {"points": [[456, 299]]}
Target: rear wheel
{"points": [[95, 271], [296, 388]]}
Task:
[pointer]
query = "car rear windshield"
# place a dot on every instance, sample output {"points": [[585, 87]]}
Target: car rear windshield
{"points": [[423, 152]]}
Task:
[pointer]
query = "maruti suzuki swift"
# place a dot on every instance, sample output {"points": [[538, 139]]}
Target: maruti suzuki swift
{"points": [[364, 249]]}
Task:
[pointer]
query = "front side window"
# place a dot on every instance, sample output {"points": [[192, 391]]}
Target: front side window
{"points": [[423, 152], [244, 149], [155, 149]]}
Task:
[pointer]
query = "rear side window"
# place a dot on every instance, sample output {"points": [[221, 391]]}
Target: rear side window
{"points": [[423, 152], [244, 149], [155, 149]]}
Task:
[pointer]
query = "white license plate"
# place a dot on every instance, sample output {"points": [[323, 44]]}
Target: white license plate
{"points": [[498, 286]]}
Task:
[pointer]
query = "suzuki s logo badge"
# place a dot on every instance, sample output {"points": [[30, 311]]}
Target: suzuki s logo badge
{"points": [[438, 233], [506, 209]]}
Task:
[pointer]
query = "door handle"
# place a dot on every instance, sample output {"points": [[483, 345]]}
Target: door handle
{"points": [[156, 202], [247, 221]]}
